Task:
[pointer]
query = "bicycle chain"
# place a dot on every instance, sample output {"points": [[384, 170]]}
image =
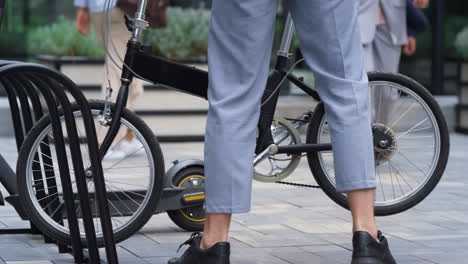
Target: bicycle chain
{"points": [[299, 184]]}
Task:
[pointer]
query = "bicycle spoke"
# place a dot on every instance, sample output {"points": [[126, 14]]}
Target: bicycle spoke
{"points": [[411, 137], [132, 174], [398, 120], [401, 175], [412, 147], [380, 103], [411, 129], [380, 180], [413, 164], [419, 129], [399, 184], [133, 167], [61, 206], [118, 198], [391, 180], [45, 197], [397, 109], [50, 203], [126, 194], [125, 158], [46, 178], [45, 164], [46, 188], [125, 183]]}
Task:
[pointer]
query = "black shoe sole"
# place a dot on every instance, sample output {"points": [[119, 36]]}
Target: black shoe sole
{"points": [[367, 261]]}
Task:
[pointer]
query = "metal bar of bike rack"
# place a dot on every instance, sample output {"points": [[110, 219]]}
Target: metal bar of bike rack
{"points": [[64, 171], [46, 156], [10, 185], [11, 83], [15, 115], [26, 115], [96, 166], [78, 168], [25, 81]]}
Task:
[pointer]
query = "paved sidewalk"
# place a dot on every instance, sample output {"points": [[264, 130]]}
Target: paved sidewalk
{"points": [[288, 224]]}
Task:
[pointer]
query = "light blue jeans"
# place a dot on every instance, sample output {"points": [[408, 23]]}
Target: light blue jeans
{"points": [[240, 47]]}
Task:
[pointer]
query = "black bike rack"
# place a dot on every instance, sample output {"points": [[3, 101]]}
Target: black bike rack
{"points": [[33, 91]]}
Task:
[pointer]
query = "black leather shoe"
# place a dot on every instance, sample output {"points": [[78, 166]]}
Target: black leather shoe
{"points": [[366, 250], [217, 254]]}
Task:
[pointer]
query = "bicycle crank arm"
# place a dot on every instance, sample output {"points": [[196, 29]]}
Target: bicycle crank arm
{"points": [[271, 150]]}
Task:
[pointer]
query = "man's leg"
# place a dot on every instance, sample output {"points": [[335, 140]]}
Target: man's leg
{"points": [[240, 44], [331, 44], [239, 51]]}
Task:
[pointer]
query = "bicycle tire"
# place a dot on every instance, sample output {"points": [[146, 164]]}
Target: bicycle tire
{"points": [[124, 233], [339, 198]]}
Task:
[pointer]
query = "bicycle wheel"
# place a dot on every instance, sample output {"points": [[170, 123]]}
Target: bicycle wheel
{"points": [[133, 182], [411, 155]]}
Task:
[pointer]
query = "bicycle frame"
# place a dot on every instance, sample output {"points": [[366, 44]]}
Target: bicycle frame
{"points": [[195, 82]]}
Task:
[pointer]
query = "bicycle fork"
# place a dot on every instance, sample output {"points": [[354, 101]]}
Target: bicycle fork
{"points": [[121, 102]]}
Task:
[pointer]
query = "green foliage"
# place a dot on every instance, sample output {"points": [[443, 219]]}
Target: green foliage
{"points": [[12, 44], [461, 43], [453, 26], [186, 36], [62, 39]]}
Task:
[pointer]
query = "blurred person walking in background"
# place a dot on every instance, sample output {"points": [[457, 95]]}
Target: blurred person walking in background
{"points": [[95, 12], [384, 33]]}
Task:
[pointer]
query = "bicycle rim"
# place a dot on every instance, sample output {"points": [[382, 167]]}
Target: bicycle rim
{"points": [[127, 195], [404, 169]]}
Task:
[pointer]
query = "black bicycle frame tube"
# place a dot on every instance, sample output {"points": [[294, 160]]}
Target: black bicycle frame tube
{"points": [[181, 77], [157, 70], [195, 82], [268, 108], [303, 86], [301, 148]]}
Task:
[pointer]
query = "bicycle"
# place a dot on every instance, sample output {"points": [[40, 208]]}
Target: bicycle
{"points": [[404, 179]]}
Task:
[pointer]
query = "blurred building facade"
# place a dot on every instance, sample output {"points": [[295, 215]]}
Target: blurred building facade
{"points": [[448, 18]]}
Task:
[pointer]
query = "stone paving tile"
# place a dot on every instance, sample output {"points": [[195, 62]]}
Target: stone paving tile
{"points": [[159, 260], [289, 225]]}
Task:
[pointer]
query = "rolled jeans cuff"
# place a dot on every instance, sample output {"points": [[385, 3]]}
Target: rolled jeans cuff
{"points": [[355, 186]]}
